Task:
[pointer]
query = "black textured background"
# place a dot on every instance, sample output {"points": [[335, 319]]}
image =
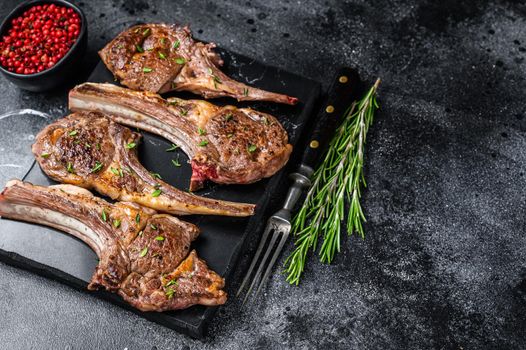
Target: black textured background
{"points": [[444, 262]]}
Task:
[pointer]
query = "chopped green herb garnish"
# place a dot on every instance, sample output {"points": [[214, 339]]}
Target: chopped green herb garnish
{"points": [[143, 252], [114, 171], [45, 154], [169, 293], [73, 133], [184, 112], [264, 120], [116, 223], [157, 193], [173, 148], [97, 146], [171, 283], [87, 145], [245, 91], [147, 70], [229, 135], [139, 48], [69, 168], [138, 218], [203, 143], [120, 173], [180, 60], [216, 80], [153, 227], [161, 55], [176, 163], [140, 233], [103, 215], [159, 238], [229, 116], [137, 30], [163, 40], [97, 167], [201, 131], [156, 175], [252, 148], [146, 32], [131, 145], [176, 44]]}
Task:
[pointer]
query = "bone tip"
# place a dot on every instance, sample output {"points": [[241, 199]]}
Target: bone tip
{"points": [[292, 100]]}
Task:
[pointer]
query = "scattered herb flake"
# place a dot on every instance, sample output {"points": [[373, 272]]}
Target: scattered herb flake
{"points": [[157, 193], [153, 227], [252, 148], [146, 32], [116, 223], [163, 40], [97, 167], [45, 154], [139, 48], [156, 175], [143, 252], [161, 55], [172, 282], [114, 171], [147, 69], [69, 168], [176, 163], [180, 60], [172, 148], [229, 116], [201, 131], [176, 44], [245, 91], [87, 145], [131, 145], [140, 233], [159, 238], [73, 133], [97, 146], [138, 218], [202, 143], [169, 293], [103, 215], [229, 135]]}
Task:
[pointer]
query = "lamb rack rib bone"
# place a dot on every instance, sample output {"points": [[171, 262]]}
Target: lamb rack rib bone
{"points": [[225, 144], [143, 256], [160, 58], [89, 150]]}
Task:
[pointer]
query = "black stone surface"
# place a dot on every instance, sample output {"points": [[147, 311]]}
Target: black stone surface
{"points": [[444, 262]]}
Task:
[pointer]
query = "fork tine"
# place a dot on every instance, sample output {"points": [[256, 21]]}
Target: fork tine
{"points": [[284, 237], [262, 264], [264, 238]]}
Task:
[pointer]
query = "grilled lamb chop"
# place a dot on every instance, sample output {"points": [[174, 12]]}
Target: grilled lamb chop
{"points": [[89, 150], [143, 256], [225, 144], [160, 58]]}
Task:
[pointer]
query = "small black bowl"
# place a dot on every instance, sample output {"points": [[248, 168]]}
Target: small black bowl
{"points": [[64, 69]]}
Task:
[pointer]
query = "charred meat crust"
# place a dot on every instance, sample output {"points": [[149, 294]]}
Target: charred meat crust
{"points": [[91, 151], [227, 145], [161, 58], [143, 256]]}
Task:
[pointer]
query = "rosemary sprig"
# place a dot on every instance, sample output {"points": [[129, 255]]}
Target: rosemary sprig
{"points": [[337, 181]]}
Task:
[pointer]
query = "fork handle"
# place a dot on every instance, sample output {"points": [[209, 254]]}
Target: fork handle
{"points": [[301, 181]]}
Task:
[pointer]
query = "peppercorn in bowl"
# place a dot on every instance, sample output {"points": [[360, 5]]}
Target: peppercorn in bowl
{"points": [[41, 44]]}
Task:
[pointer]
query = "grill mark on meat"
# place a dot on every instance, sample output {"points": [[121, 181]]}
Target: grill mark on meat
{"points": [[150, 273], [89, 150], [226, 145], [161, 58]]}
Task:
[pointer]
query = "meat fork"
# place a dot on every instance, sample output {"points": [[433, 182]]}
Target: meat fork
{"points": [[345, 88]]}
